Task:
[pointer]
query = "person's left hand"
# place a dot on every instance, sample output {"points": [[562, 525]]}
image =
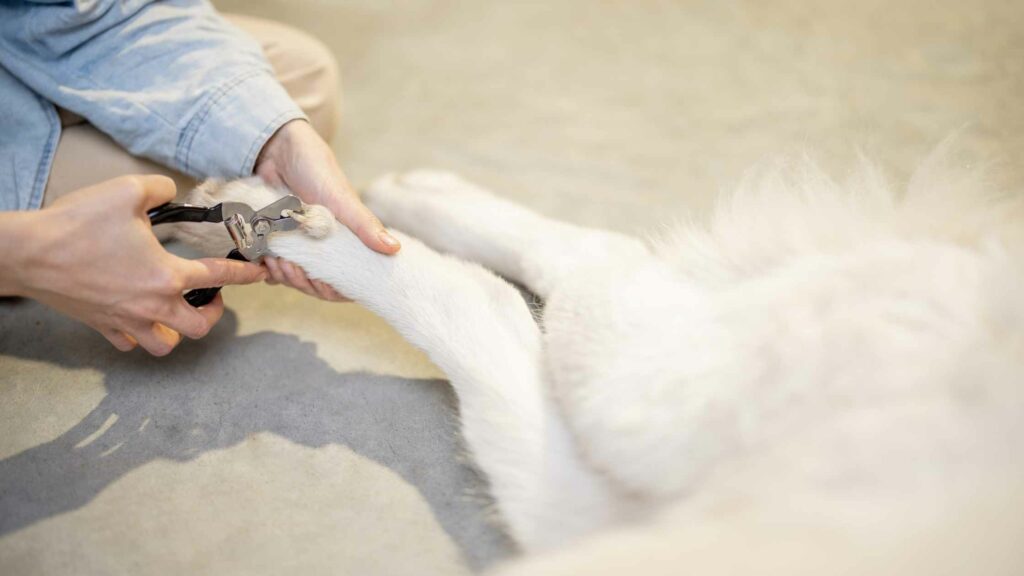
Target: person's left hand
{"points": [[296, 157]]}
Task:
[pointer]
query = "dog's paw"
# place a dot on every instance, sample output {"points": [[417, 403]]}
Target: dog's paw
{"points": [[397, 197], [315, 220]]}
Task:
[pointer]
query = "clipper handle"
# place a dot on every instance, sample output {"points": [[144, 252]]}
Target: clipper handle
{"points": [[172, 212]]}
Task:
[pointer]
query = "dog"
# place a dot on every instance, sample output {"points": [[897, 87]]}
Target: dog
{"points": [[821, 378]]}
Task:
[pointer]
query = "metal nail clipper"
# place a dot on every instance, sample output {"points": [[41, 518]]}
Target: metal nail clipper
{"points": [[249, 229]]}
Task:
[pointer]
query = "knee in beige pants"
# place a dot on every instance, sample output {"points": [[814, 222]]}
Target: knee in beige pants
{"points": [[302, 64]]}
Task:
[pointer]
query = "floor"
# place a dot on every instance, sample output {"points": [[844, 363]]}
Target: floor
{"points": [[305, 437]]}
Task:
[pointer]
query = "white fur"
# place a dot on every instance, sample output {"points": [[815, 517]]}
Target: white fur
{"points": [[824, 377]]}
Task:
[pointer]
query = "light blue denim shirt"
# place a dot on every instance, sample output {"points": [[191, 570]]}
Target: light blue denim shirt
{"points": [[171, 81]]}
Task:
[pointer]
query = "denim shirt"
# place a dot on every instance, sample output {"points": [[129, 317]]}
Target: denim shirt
{"points": [[171, 81]]}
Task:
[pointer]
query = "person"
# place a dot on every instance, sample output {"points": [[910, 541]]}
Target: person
{"points": [[94, 89]]}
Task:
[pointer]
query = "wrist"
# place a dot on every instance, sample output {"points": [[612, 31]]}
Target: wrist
{"points": [[275, 155], [19, 232]]}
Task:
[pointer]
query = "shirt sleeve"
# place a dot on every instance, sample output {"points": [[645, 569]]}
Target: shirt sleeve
{"points": [[172, 81]]}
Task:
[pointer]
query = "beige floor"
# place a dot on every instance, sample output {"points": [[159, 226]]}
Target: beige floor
{"points": [[306, 437]]}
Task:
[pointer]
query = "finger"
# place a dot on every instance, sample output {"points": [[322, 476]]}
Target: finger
{"points": [[212, 311], [326, 292], [120, 340], [276, 276], [156, 188], [156, 338], [211, 272], [297, 278], [323, 291], [186, 320], [351, 212]]}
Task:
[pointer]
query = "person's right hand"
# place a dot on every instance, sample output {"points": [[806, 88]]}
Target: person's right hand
{"points": [[92, 255]]}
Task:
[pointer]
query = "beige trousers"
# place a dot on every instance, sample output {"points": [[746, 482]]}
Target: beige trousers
{"points": [[303, 65]]}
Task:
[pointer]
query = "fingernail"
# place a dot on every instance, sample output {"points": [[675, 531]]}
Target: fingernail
{"points": [[389, 240]]}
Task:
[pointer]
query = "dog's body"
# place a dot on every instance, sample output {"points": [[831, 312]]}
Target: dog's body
{"points": [[825, 377]]}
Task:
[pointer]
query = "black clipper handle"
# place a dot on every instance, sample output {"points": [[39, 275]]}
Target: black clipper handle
{"points": [[171, 212]]}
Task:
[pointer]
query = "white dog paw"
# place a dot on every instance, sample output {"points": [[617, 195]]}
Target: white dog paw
{"points": [[423, 182], [315, 220], [395, 196], [432, 180]]}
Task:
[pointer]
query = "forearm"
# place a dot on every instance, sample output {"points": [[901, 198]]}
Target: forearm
{"points": [[171, 81]]}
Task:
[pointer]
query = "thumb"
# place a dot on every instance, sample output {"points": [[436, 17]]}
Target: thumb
{"points": [[156, 190], [357, 217], [211, 272]]}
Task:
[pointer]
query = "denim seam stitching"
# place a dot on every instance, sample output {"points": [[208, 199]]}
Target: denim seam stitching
{"points": [[188, 135]]}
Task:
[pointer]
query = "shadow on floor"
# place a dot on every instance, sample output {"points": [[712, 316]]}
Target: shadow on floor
{"points": [[213, 394]]}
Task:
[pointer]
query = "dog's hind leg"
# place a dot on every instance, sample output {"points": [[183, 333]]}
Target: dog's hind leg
{"points": [[457, 217], [480, 332]]}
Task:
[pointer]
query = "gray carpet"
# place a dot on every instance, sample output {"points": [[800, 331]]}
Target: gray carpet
{"points": [[307, 437]]}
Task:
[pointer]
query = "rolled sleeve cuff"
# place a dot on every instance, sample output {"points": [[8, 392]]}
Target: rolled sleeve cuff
{"points": [[225, 137]]}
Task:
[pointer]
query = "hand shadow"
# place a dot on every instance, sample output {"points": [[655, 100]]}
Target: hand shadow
{"points": [[212, 394]]}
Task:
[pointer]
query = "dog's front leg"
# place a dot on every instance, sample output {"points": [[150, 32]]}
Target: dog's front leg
{"points": [[479, 331]]}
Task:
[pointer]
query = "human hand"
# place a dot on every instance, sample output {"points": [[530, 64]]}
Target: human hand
{"points": [[297, 158], [284, 272], [92, 255]]}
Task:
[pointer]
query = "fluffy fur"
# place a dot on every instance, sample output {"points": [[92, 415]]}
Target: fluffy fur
{"points": [[822, 378]]}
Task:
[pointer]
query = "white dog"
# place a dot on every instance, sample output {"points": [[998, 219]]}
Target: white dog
{"points": [[823, 379]]}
